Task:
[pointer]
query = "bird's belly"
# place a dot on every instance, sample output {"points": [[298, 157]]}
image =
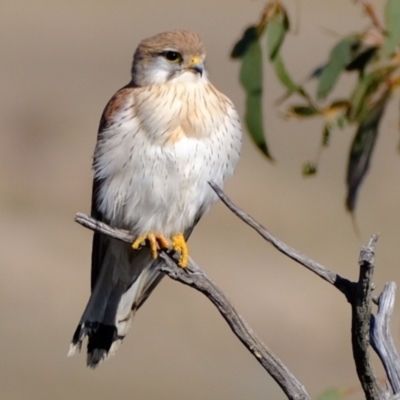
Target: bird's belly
{"points": [[164, 188]]}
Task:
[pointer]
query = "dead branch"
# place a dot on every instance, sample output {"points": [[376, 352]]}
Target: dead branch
{"points": [[193, 276], [361, 303], [381, 337], [358, 294], [343, 284]]}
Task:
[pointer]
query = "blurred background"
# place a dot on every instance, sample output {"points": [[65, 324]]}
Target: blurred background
{"points": [[60, 63]]}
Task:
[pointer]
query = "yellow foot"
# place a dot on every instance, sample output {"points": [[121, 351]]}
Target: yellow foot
{"points": [[179, 245], [155, 240]]}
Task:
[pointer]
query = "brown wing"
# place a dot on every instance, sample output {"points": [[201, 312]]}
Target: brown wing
{"points": [[100, 241]]}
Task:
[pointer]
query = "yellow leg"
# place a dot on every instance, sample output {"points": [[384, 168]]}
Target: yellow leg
{"points": [[155, 241], [179, 245]]}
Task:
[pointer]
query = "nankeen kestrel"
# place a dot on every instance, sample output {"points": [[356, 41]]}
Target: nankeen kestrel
{"points": [[161, 139]]}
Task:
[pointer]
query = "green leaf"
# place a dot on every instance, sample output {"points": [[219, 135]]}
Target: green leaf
{"points": [[340, 57], [330, 394], [254, 123], [365, 88], [251, 77], [309, 169], [302, 111], [277, 27], [250, 36], [362, 149], [283, 75], [251, 71], [392, 19]]}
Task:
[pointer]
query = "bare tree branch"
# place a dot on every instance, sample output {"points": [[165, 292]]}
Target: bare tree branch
{"points": [[343, 284], [361, 315], [381, 337], [358, 294], [193, 276]]}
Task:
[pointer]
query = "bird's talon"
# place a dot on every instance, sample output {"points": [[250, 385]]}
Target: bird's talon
{"points": [[139, 241], [153, 245], [180, 246], [155, 242], [163, 242]]}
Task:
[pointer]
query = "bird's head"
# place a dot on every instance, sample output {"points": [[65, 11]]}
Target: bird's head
{"points": [[169, 56]]}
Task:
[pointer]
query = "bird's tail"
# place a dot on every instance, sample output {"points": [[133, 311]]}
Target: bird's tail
{"points": [[125, 281]]}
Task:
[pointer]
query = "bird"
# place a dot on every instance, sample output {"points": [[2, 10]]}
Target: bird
{"points": [[161, 139]]}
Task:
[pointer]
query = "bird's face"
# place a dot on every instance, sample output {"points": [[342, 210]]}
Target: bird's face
{"points": [[176, 56], [172, 64]]}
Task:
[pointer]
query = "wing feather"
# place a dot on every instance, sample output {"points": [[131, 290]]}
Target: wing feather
{"points": [[101, 242]]}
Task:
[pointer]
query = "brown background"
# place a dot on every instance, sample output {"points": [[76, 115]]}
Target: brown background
{"points": [[60, 62]]}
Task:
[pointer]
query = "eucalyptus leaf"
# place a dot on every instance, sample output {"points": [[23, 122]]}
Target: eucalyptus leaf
{"points": [[251, 71], [309, 169], [340, 57], [251, 77], [254, 122], [362, 149], [250, 36], [276, 31], [283, 75], [392, 19], [302, 111], [366, 87]]}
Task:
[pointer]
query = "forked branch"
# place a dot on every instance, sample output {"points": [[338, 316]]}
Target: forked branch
{"points": [[193, 276], [358, 294]]}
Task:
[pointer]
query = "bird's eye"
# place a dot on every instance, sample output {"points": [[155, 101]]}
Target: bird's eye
{"points": [[172, 56]]}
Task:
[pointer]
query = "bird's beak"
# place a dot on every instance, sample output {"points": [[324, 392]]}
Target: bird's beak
{"points": [[196, 65]]}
